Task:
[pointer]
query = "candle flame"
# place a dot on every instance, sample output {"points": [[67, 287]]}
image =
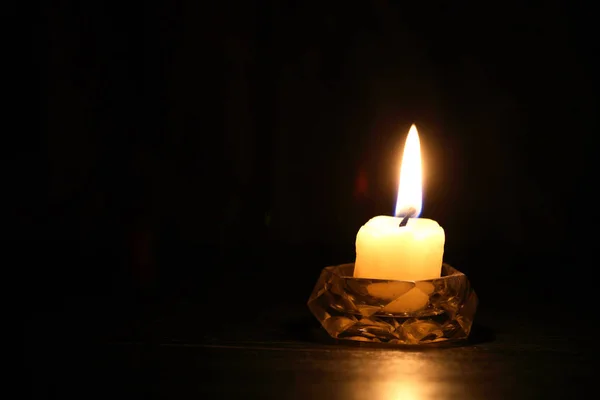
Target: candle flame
{"points": [[410, 192]]}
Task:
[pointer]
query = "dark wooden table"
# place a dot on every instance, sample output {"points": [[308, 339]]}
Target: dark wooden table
{"points": [[255, 338]]}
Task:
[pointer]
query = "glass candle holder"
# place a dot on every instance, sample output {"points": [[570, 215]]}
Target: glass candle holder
{"points": [[394, 312]]}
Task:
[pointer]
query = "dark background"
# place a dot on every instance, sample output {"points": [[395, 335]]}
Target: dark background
{"points": [[201, 163]]}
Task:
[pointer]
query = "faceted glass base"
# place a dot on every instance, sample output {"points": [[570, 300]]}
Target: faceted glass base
{"points": [[394, 312]]}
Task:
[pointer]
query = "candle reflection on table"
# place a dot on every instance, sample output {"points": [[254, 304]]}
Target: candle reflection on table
{"points": [[404, 376]]}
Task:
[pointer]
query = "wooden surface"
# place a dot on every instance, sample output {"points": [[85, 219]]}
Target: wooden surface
{"points": [[235, 341], [516, 365]]}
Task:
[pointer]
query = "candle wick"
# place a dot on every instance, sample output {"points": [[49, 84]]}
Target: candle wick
{"points": [[409, 213]]}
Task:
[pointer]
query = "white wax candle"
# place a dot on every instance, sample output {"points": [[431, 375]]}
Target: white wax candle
{"points": [[385, 250]]}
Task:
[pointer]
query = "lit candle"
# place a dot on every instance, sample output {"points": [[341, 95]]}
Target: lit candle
{"points": [[402, 248]]}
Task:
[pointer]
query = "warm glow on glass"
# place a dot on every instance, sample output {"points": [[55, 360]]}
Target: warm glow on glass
{"points": [[410, 185]]}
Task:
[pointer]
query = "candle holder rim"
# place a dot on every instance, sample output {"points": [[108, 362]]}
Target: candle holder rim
{"points": [[451, 273]]}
